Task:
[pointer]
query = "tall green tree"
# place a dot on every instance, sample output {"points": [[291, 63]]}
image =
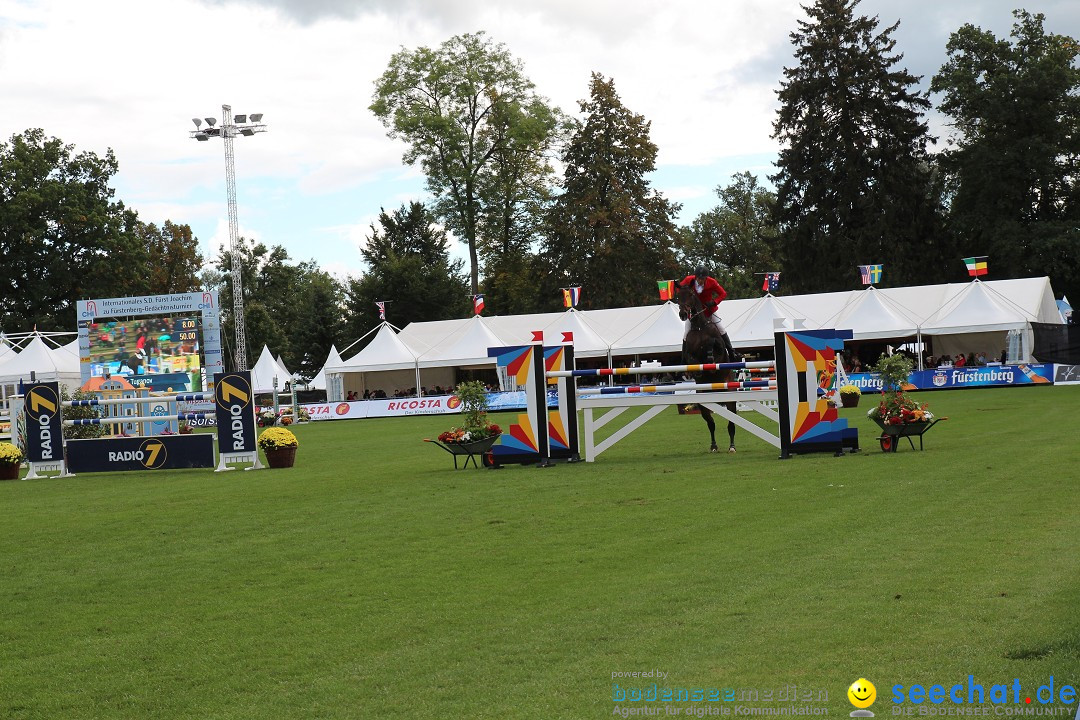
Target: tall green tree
{"points": [[62, 235], [473, 122], [171, 261], [1014, 155], [609, 231], [409, 268], [854, 181], [735, 239]]}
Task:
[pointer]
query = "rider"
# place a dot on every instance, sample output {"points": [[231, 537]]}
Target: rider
{"points": [[711, 294]]}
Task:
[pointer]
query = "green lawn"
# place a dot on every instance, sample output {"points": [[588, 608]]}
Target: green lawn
{"points": [[374, 581]]}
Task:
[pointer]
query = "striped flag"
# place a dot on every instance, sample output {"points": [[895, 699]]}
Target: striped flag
{"points": [[976, 266], [772, 281], [667, 289], [478, 303], [870, 274], [381, 304], [571, 296]]}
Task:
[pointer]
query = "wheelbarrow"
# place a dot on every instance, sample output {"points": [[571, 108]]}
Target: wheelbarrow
{"points": [[891, 434]]}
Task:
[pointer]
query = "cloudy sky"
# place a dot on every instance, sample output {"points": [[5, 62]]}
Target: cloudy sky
{"points": [[130, 75]]}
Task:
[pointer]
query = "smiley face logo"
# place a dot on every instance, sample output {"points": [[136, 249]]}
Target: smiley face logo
{"points": [[862, 693]]}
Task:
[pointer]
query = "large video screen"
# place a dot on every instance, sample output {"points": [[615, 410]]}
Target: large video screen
{"points": [[160, 352]]}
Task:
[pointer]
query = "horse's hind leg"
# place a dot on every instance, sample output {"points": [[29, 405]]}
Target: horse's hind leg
{"points": [[730, 429], [706, 413]]}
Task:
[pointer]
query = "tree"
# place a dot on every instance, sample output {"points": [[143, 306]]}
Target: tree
{"points": [[1015, 151], [295, 309], [479, 132], [62, 236], [854, 182], [609, 231], [172, 259], [409, 267], [734, 240]]}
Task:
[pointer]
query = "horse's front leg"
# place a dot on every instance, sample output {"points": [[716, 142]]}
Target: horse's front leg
{"points": [[706, 413], [731, 429]]}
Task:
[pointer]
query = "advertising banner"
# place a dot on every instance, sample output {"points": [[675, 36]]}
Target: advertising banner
{"points": [[167, 452], [235, 413], [44, 431], [955, 378], [400, 407]]}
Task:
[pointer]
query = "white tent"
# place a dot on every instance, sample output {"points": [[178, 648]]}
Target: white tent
{"points": [[46, 364], [755, 326], [386, 352], [660, 332], [265, 372], [873, 315], [466, 346], [587, 340], [333, 359]]}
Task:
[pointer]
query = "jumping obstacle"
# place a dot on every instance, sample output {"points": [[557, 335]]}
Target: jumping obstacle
{"points": [[46, 450], [805, 365]]}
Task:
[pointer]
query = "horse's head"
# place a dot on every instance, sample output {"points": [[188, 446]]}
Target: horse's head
{"points": [[690, 307]]}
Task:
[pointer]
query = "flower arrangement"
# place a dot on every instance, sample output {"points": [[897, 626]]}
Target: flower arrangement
{"points": [[461, 435], [895, 407], [276, 438], [185, 428], [266, 417], [303, 415], [473, 396], [10, 455], [850, 390]]}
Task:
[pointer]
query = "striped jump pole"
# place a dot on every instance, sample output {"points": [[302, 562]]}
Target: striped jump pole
{"points": [[630, 389], [702, 367], [122, 419], [180, 397]]}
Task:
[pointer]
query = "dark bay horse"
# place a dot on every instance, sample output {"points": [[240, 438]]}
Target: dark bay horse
{"points": [[703, 345]]}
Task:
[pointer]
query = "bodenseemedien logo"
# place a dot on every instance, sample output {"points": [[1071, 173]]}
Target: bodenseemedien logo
{"points": [[862, 695]]}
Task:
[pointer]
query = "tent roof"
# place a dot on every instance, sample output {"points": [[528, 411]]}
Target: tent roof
{"points": [[660, 332], [264, 372], [48, 364], [385, 352], [467, 345], [754, 326], [333, 359], [872, 315], [975, 307]]}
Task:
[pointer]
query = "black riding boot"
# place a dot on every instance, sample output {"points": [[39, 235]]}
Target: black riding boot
{"points": [[732, 355]]}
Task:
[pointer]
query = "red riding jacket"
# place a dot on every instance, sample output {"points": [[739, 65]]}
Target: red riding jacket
{"points": [[711, 295]]}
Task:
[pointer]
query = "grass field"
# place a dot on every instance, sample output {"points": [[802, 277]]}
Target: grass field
{"points": [[374, 581]]}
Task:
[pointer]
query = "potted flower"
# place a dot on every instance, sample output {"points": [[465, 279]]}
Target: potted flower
{"points": [[11, 458], [849, 395], [303, 415], [279, 445], [185, 428], [266, 417]]}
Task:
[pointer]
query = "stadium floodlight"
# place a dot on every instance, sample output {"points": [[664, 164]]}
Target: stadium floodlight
{"points": [[228, 130], [198, 123]]}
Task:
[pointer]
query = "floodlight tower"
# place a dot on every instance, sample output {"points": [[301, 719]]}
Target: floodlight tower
{"points": [[246, 125]]}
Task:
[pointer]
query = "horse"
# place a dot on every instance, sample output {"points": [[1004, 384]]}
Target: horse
{"points": [[704, 345]]}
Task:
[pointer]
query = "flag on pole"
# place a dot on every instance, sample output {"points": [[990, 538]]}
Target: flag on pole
{"points": [[571, 296], [382, 309], [772, 281], [976, 266], [478, 303], [667, 289], [870, 274]]}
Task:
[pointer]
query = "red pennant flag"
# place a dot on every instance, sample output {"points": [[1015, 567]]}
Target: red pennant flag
{"points": [[538, 336], [568, 337]]}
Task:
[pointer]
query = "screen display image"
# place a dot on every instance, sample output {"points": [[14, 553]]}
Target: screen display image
{"points": [[148, 352]]}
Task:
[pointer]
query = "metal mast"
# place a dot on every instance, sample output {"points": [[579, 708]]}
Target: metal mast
{"points": [[228, 131]]}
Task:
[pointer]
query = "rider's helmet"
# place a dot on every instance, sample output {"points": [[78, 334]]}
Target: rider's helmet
{"points": [[701, 273]]}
